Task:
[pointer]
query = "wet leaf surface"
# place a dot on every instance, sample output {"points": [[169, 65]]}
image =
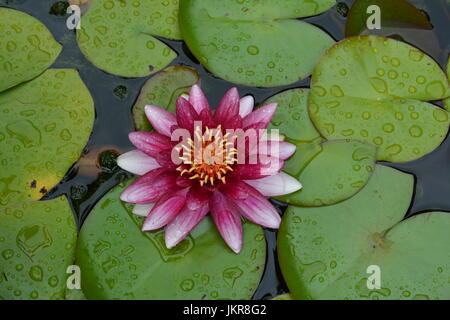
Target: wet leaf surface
{"points": [[45, 124], [373, 89], [37, 244], [447, 101], [118, 261], [324, 252], [27, 48], [337, 171], [394, 13], [163, 90], [119, 36], [257, 44]]}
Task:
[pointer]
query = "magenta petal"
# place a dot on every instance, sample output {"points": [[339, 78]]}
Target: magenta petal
{"points": [[150, 187], [137, 162], [228, 107], [160, 119], [186, 114], [260, 115], [276, 185], [197, 99], [227, 220], [197, 197], [258, 209], [152, 143], [183, 224], [277, 149], [235, 189], [164, 210], [271, 166]]}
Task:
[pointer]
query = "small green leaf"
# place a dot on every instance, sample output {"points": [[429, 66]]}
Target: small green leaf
{"points": [[394, 13], [119, 36], [372, 89], [37, 244], [45, 124], [291, 117], [119, 261], [163, 90], [325, 252], [447, 101], [27, 48], [256, 43], [336, 172], [285, 296]]}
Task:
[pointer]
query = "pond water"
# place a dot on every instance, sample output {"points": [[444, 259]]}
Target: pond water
{"points": [[95, 173]]}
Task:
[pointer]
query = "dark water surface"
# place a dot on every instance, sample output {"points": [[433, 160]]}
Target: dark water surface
{"points": [[95, 173]]}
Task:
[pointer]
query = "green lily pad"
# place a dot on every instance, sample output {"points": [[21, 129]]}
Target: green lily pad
{"points": [[372, 89], [163, 90], [325, 252], [118, 261], [37, 244], [27, 48], [119, 36], [337, 171], [292, 118], [394, 13], [44, 125], [256, 43], [285, 296]]}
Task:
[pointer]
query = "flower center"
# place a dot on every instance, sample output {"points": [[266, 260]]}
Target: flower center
{"points": [[209, 157]]}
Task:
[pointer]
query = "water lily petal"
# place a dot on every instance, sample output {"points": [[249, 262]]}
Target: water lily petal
{"points": [[268, 167], [197, 99], [150, 187], [152, 143], [165, 210], [235, 189], [142, 209], [137, 162], [258, 209], [260, 115], [183, 224], [246, 105], [284, 150], [276, 185], [228, 107], [160, 119], [227, 220], [197, 197], [186, 114]]}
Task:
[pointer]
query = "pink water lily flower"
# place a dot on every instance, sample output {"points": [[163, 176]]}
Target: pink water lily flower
{"points": [[176, 190]]}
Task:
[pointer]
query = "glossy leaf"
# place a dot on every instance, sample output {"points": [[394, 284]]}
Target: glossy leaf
{"points": [[118, 261], [292, 118], [37, 244], [119, 36], [394, 13], [325, 252], [336, 172], [44, 125], [447, 101], [257, 43], [163, 90], [27, 48], [373, 89]]}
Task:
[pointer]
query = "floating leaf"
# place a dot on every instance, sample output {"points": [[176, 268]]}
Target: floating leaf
{"points": [[45, 124], [162, 90], [336, 172], [118, 261], [325, 252], [372, 89], [257, 43], [285, 296], [292, 118], [447, 101], [119, 36], [329, 171], [27, 48], [394, 13], [37, 244]]}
